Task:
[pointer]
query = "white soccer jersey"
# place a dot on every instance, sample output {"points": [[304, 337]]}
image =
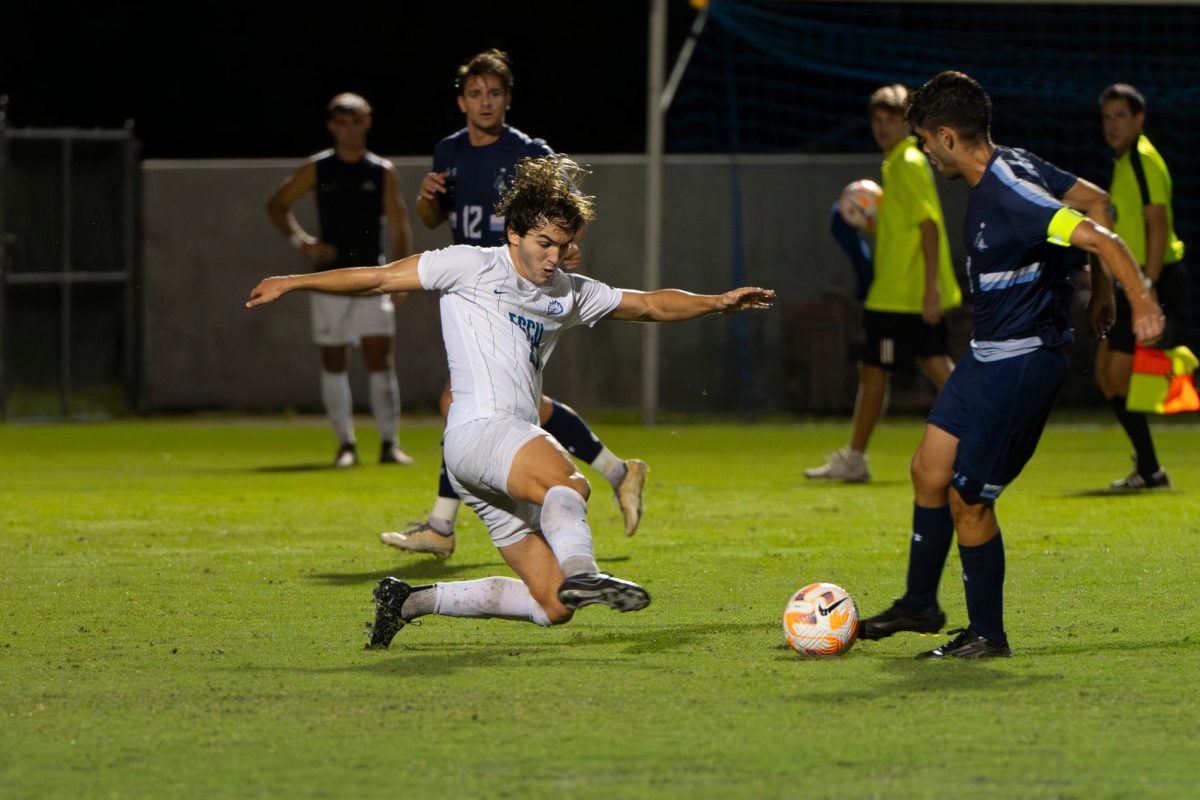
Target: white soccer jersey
{"points": [[500, 329]]}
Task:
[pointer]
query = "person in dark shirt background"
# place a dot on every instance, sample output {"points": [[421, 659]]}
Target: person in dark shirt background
{"points": [[356, 191]]}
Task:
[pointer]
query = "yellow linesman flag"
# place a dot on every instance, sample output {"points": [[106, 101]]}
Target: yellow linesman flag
{"points": [[1161, 382]]}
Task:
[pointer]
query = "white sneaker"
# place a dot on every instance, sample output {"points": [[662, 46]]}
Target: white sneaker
{"points": [[842, 466], [629, 493], [1136, 482], [420, 538], [391, 453], [347, 456]]}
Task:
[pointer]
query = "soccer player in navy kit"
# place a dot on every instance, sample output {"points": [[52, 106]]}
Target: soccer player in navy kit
{"points": [[355, 190], [988, 419], [471, 170]]}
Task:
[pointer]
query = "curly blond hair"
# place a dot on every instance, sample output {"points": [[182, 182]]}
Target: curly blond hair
{"points": [[545, 191]]}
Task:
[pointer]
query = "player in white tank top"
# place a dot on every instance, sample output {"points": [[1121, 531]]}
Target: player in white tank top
{"points": [[502, 312]]}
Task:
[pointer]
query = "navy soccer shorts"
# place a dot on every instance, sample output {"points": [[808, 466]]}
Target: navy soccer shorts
{"points": [[998, 410]]}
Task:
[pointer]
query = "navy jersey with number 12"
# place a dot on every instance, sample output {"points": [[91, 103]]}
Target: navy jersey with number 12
{"points": [[478, 176]]}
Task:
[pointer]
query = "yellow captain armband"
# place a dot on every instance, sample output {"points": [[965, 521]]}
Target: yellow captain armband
{"points": [[1062, 225]]}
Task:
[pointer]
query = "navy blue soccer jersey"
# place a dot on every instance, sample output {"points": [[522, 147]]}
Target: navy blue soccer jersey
{"points": [[1016, 230], [478, 177]]}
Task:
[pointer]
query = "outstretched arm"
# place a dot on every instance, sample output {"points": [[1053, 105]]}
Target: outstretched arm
{"points": [[398, 276], [673, 305]]}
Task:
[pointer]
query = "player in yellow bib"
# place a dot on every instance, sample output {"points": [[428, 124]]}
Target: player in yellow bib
{"points": [[912, 288], [1141, 204]]}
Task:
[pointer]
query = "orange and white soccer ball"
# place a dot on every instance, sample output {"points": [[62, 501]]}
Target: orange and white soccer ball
{"points": [[859, 204], [821, 620]]}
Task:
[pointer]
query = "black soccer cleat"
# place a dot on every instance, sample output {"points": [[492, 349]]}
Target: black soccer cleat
{"points": [[898, 619], [600, 588], [968, 644], [390, 595]]}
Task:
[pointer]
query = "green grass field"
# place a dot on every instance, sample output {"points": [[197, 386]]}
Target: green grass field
{"points": [[182, 611]]}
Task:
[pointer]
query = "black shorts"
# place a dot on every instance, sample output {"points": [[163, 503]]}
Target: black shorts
{"points": [[894, 338], [1170, 291]]}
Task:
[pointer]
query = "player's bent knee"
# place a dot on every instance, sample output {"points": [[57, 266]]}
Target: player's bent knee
{"points": [[581, 485], [928, 480]]}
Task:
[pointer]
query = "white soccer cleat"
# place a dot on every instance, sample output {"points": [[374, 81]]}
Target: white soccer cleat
{"points": [[628, 493], [420, 538], [841, 465]]}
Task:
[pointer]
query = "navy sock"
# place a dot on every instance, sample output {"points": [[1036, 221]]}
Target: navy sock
{"points": [[932, 533], [572, 433], [983, 581], [1138, 430], [444, 487]]}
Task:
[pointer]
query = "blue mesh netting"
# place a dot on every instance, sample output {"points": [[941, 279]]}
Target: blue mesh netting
{"points": [[795, 76]]}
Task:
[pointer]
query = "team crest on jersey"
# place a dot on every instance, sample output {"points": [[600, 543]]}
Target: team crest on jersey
{"points": [[554, 309], [501, 183], [980, 244]]}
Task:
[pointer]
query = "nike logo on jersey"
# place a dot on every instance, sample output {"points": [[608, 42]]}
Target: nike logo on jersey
{"points": [[825, 611], [497, 291]]}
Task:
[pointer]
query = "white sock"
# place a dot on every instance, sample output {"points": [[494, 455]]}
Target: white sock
{"points": [[501, 598], [445, 509], [565, 526], [611, 467], [385, 402], [339, 408]]}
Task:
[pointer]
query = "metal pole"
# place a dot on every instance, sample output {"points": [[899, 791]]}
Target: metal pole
{"points": [[6, 239], [68, 211], [652, 274], [130, 215]]}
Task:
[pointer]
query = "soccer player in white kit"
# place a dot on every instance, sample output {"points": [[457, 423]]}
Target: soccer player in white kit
{"points": [[503, 309]]}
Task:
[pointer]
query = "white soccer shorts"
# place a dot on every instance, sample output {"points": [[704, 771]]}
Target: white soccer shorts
{"points": [[344, 320], [479, 455]]}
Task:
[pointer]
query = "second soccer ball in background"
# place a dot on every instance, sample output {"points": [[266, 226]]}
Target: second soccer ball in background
{"points": [[859, 204]]}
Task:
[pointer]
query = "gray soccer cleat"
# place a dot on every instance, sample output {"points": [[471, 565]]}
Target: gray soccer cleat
{"points": [[420, 537], [841, 465], [629, 493]]}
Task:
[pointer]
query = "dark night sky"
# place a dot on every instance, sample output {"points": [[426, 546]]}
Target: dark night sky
{"points": [[251, 80]]}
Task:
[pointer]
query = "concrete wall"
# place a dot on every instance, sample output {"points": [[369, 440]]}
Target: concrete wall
{"points": [[207, 241]]}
